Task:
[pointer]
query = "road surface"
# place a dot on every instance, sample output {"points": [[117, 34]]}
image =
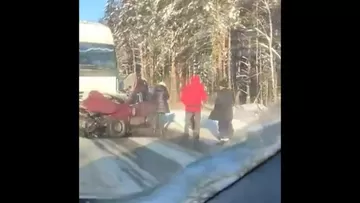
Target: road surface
{"points": [[136, 163], [124, 167]]}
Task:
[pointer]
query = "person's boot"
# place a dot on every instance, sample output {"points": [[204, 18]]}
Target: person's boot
{"points": [[196, 142], [223, 138]]}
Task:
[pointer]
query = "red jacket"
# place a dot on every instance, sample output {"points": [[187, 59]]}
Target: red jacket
{"points": [[193, 94]]}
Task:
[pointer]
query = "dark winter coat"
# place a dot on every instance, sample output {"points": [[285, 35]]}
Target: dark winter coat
{"points": [[140, 86], [160, 98], [223, 106]]}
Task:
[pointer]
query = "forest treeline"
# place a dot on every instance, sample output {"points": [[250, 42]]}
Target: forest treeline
{"points": [[171, 40]]}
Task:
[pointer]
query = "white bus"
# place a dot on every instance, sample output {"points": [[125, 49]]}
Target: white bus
{"points": [[97, 60]]}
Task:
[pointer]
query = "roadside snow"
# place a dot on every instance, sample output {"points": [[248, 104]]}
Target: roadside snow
{"points": [[203, 179], [107, 169], [243, 116]]}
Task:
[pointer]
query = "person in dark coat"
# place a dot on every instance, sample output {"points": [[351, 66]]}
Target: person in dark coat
{"points": [[223, 112], [160, 98], [140, 90]]}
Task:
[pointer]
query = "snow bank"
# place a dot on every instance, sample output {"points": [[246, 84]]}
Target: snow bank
{"points": [[205, 177], [243, 116]]}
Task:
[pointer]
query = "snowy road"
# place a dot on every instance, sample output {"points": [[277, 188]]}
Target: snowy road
{"points": [[135, 163], [125, 167]]}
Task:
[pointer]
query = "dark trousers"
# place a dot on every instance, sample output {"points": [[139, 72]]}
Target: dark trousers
{"points": [[225, 128], [159, 122], [192, 119]]}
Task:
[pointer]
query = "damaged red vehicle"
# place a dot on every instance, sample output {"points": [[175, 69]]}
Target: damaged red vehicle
{"points": [[106, 116]]}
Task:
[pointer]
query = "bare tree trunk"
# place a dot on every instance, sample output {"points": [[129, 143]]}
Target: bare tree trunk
{"points": [[257, 72], [262, 82], [143, 66], [194, 62], [174, 96], [248, 96], [183, 75], [224, 53], [152, 68], [229, 61], [271, 58], [134, 58]]}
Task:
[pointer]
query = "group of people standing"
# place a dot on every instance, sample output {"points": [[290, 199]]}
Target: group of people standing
{"points": [[193, 96]]}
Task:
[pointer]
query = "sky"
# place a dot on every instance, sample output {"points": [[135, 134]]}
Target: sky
{"points": [[91, 10]]}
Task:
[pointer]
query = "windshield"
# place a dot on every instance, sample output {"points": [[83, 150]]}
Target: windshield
{"points": [[96, 56]]}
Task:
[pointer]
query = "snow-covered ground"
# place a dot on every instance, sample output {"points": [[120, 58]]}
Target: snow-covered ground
{"points": [[243, 116], [121, 168]]}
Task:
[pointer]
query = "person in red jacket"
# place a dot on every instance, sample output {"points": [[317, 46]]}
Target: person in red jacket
{"points": [[192, 96]]}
